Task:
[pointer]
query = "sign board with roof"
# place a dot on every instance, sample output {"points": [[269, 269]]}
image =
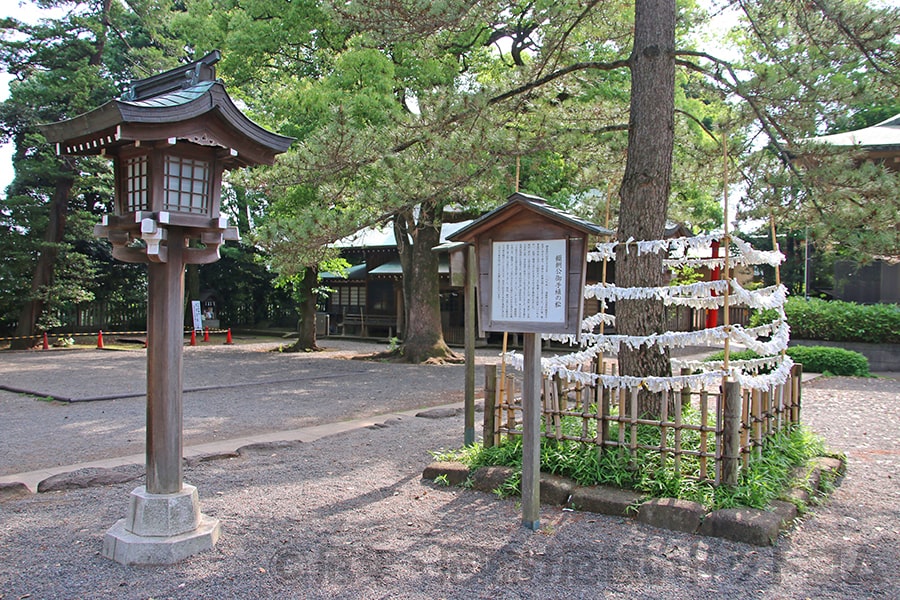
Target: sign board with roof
{"points": [[531, 260]]}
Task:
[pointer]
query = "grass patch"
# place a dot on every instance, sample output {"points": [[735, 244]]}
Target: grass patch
{"points": [[763, 481]]}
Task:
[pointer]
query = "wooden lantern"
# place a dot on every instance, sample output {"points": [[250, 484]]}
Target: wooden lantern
{"points": [[170, 137]]}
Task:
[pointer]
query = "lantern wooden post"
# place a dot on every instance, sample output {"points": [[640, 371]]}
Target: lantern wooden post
{"points": [[165, 369]]}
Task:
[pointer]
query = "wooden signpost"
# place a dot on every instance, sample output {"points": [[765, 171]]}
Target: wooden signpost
{"points": [[531, 263]]}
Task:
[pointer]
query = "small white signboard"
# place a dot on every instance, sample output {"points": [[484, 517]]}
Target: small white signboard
{"points": [[528, 281], [198, 317]]}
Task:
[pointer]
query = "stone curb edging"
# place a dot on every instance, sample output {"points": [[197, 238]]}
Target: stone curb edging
{"points": [[100, 476], [748, 525], [103, 472]]}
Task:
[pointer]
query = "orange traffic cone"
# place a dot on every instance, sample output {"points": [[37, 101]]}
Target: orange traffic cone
{"points": [[206, 334], [193, 337], [100, 340], [46, 345], [228, 337]]}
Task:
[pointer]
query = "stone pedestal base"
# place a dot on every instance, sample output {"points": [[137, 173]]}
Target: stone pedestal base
{"points": [[160, 529]]}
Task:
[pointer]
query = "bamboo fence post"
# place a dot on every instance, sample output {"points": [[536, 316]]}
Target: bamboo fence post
{"points": [[633, 417], [745, 427], [731, 430], [553, 405], [622, 417], [796, 391], [663, 428], [583, 397], [544, 403], [719, 442], [603, 399], [562, 393], [678, 406], [779, 410], [510, 405], [704, 422], [756, 419], [686, 390], [489, 433]]}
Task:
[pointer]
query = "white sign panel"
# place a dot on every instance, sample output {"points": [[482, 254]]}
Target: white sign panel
{"points": [[529, 281], [198, 318]]}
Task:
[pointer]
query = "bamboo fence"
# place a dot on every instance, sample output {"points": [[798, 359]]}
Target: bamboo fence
{"points": [[693, 424]]}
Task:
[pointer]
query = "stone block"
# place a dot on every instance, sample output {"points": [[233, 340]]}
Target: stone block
{"points": [[90, 477], [807, 476], [14, 491], [163, 515], [193, 461], [456, 473], [440, 413], [826, 464], [269, 446], [748, 525], [125, 547], [555, 490], [605, 500], [796, 494], [787, 511], [488, 479], [671, 513]]}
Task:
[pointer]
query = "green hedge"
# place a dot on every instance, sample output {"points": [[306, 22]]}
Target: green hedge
{"points": [[827, 359], [815, 359], [837, 321]]}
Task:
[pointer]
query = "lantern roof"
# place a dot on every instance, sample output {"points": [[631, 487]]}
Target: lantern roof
{"points": [[186, 103]]}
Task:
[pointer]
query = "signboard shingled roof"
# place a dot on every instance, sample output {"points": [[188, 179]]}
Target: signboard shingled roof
{"points": [[518, 201]]}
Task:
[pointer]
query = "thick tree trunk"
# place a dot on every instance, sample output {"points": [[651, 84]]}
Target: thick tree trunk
{"points": [[646, 184], [307, 326], [46, 263], [424, 337]]}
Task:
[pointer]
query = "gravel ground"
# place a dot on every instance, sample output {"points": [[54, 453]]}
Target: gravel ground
{"points": [[231, 392], [349, 517]]}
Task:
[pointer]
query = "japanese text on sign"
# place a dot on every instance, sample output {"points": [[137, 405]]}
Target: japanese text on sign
{"points": [[529, 281]]}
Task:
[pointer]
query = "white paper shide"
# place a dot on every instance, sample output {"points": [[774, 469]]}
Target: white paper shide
{"points": [[769, 340]]}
